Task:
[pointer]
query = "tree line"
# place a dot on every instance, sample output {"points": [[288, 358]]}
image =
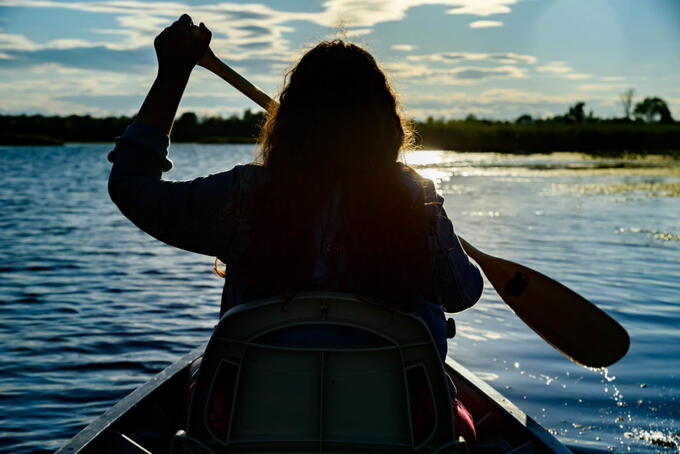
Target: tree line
{"points": [[646, 126], [39, 129]]}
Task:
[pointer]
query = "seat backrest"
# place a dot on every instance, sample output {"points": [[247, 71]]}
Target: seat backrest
{"points": [[320, 372]]}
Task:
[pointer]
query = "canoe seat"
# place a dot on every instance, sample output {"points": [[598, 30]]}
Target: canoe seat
{"points": [[319, 372]]}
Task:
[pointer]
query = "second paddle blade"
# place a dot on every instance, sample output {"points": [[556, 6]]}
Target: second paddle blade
{"points": [[566, 320]]}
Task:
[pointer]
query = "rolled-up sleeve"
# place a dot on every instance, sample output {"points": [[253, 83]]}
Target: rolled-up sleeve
{"points": [[459, 281], [195, 215]]}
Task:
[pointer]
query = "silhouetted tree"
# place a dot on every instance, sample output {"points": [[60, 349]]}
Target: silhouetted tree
{"points": [[626, 100], [653, 110], [576, 112], [524, 119], [186, 127]]}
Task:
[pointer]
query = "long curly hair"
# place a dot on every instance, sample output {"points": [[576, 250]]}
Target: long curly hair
{"points": [[332, 146]]}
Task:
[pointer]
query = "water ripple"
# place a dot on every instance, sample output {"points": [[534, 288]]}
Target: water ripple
{"points": [[92, 307]]}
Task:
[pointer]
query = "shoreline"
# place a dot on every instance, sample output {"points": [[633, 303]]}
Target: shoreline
{"points": [[45, 141]]}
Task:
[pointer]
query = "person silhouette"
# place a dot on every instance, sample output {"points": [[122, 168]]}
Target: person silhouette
{"points": [[327, 205]]}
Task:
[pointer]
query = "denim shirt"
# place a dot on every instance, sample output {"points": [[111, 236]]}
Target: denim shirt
{"points": [[201, 216]]}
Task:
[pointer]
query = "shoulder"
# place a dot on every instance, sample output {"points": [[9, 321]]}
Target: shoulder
{"points": [[251, 171], [248, 178], [419, 185]]}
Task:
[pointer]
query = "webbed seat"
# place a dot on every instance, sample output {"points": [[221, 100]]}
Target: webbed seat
{"points": [[319, 372]]}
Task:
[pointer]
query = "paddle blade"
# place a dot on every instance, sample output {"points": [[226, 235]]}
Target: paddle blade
{"points": [[566, 320]]}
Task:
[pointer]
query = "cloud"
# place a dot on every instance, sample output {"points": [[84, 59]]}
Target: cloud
{"points": [[367, 13], [357, 32], [485, 24], [578, 76], [95, 58], [494, 103], [560, 68], [350, 13], [54, 89], [555, 67], [240, 30], [482, 7], [603, 86], [254, 37], [451, 76], [68, 44], [490, 96], [11, 41], [116, 103], [510, 58], [404, 47], [484, 73]]}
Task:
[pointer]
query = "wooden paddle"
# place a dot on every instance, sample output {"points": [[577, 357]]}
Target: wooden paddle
{"points": [[566, 320]]}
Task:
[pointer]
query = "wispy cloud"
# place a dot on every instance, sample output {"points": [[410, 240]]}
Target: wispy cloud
{"points": [[404, 47], [93, 58], [555, 67], [561, 69], [495, 103], [81, 69], [485, 73], [54, 89], [491, 96], [482, 7], [451, 76], [485, 24], [612, 79], [577, 76], [606, 87], [12, 41], [367, 13], [358, 32], [240, 30], [453, 57]]}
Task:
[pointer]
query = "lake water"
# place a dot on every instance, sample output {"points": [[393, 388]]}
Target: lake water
{"points": [[91, 307]]}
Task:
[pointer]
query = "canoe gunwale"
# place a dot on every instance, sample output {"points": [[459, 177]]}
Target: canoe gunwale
{"points": [[113, 414], [504, 405]]}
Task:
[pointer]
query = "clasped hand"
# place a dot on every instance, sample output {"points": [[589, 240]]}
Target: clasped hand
{"points": [[180, 46]]}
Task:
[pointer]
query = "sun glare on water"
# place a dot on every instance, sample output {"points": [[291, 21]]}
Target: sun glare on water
{"points": [[427, 163]]}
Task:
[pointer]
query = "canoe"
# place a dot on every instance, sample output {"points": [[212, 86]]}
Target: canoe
{"points": [[300, 393], [152, 413]]}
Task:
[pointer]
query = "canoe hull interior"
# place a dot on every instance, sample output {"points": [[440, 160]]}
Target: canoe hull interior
{"points": [[151, 415]]}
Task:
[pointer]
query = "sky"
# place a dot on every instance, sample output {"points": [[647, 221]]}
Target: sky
{"points": [[447, 58]]}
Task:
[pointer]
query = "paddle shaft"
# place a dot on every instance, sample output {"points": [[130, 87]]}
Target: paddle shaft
{"points": [[566, 320], [210, 62]]}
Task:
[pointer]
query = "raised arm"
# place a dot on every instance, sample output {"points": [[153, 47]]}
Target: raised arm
{"points": [[193, 215], [178, 49]]}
